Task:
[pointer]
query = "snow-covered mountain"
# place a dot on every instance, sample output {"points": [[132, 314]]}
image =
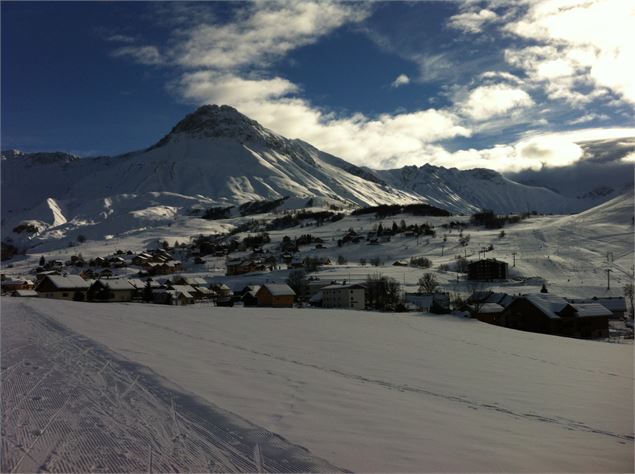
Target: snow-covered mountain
{"points": [[218, 157], [472, 190]]}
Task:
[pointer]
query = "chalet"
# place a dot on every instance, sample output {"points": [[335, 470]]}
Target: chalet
{"points": [[352, 296], [549, 314], [187, 290], [240, 266], [248, 295], [192, 281], [172, 297], [67, 287], [141, 259], [223, 294], [118, 262], [111, 290], [17, 284], [487, 270], [615, 304], [25, 293], [222, 290], [278, 295], [481, 298], [140, 284], [39, 276], [488, 312], [163, 268]]}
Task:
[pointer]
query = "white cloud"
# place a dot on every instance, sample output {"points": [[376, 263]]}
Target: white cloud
{"points": [[400, 80], [582, 42], [535, 152], [119, 38], [489, 101], [222, 88], [472, 21], [263, 32], [630, 158], [148, 55], [230, 63], [214, 59], [588, 118], [550, 151]]}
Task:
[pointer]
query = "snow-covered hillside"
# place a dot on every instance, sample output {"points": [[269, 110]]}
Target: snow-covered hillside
{"points": [[375, 392], [215, 156], [218, 157], [472, 190]]}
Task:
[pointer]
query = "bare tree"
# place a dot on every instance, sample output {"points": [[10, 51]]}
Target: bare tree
{"points": [[476, 298], [427, 283]]}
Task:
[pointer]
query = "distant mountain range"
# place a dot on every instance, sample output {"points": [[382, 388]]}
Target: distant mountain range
{"points": [[217, 156]]}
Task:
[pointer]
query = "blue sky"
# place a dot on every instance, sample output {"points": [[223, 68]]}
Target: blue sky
{"points": [[491, 84]]}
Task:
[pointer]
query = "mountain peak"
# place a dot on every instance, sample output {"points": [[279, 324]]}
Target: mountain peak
{"points": [[217, 121]]}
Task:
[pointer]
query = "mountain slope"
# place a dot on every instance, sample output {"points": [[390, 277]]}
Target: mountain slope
{"points": [[476, 189], [218, 157], [214, 157]]}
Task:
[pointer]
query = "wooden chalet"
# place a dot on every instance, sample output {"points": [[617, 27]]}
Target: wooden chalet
{"points": [[550, 314], [277, 295], [67, 287], [111, 290]]}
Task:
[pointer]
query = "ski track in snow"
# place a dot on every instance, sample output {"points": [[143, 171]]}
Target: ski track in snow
{"points": [[70, 405]]}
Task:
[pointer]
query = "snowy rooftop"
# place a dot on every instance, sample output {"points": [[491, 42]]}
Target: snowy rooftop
{"points": [[590, 309], [67, 282], [118, 284], [279, 289], [549, 304]]}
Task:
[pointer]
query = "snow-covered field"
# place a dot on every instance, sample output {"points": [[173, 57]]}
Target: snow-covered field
{"points": [[71, 405], [373, 391]]}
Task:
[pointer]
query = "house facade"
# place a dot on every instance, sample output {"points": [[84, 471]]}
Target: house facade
{"points": [[549, 314], [64, 287], [278, 295], [344, 296], [488, 269], [111, 290]]}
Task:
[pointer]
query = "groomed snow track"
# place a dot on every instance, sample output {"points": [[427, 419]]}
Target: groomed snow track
{"points": [[69, 405]]}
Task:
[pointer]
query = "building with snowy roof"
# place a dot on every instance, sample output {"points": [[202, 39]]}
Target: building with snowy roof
{"points": [[550, 314], [278, 295], [111, 290], [615, 304], [66, 287]]}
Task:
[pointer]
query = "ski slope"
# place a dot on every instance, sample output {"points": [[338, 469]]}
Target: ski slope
{"points": [[377, 392]]}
